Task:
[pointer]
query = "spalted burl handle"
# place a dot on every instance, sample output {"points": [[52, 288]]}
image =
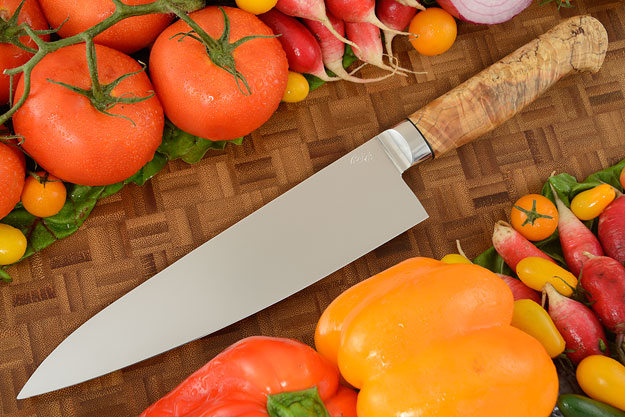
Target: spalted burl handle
{"points": [[502, 90]]}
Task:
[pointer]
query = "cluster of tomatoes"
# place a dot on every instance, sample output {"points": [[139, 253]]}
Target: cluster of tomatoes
{"points": [[80, 138]]}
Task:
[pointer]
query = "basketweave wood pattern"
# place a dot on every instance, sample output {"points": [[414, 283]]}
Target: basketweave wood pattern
{"points": [[577, 127]]}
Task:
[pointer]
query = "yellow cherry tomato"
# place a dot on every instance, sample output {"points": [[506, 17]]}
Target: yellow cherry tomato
{"points": [[296, 88], [45, 198], [534, 216], [435, 31], [454, 258], [622, 178], [590, 203], [256, 6], [12, 244], [535, 272], [603, 379], [531, 318]]}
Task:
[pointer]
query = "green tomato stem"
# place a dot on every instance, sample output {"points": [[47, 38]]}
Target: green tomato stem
{"points": [[97, 91], [532, 215]]}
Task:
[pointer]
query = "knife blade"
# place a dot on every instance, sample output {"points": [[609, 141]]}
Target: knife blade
{"points": [[332, 218]]}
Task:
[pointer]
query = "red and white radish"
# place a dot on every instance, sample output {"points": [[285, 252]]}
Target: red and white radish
{"points": [[311, 10], [358, 11], [611, 229], [512, 246], [519, 290], [302, 49], [603, 278], [578, 325], [575, 238], [487, 12], [370, 50], [396, 16], [332, 49]]}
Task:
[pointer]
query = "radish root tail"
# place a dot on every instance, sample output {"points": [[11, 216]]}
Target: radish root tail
{"points": [[326, 77], [326, 22], [338, 69], [460, 251], [395, 69], [373, 19], [394, 61], [412, 3], [388, 42]]}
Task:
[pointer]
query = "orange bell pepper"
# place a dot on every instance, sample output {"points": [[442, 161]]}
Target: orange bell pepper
{"points": [[429, 338]]}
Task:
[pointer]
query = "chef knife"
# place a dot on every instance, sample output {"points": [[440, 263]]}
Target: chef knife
{"points": [[329, 220]]}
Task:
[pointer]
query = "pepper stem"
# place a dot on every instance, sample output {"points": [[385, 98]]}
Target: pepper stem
{"points": [[305, 403]]}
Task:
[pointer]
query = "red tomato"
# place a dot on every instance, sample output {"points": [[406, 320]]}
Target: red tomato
{"points": [[10, 55], [127, 36], [204, 100], [72, 140], [12, 172]]}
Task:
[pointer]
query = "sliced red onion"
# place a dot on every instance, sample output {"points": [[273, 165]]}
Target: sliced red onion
{"points": [[487, 12]]}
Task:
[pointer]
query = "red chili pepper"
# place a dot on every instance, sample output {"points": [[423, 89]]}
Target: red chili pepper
{"points": [[259, 377]]}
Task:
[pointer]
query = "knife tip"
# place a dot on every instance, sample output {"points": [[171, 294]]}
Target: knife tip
{"points": [[23, 393], [28, 390]]}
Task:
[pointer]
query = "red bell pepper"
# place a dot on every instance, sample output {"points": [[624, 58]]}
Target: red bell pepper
{"points": [[259, 377]]}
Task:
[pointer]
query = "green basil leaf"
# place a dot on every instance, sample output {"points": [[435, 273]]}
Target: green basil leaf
{"points": [[178, 144], [491, 260]]}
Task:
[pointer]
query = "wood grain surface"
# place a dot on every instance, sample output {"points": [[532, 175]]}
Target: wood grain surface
{"points": [[578, 126]]}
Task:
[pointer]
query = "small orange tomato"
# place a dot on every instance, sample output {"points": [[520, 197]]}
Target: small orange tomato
{"points": [[534, 216], [623, 178], [435, 31], [43, 197], [590, 203]]}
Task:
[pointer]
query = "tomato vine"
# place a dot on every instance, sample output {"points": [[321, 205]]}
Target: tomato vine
{"points": [[219, 50]]}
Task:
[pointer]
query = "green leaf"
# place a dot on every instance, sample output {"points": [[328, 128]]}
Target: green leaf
{"points": [[148, 171], [491, 260], [4, 275], [178, 144], [563, 184]]}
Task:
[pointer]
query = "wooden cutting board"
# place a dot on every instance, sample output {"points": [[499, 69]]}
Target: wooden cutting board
{"points": [[577, 127]]}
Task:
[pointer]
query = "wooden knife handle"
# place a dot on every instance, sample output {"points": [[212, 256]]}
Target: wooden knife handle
{"points": [[499, 92]]}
